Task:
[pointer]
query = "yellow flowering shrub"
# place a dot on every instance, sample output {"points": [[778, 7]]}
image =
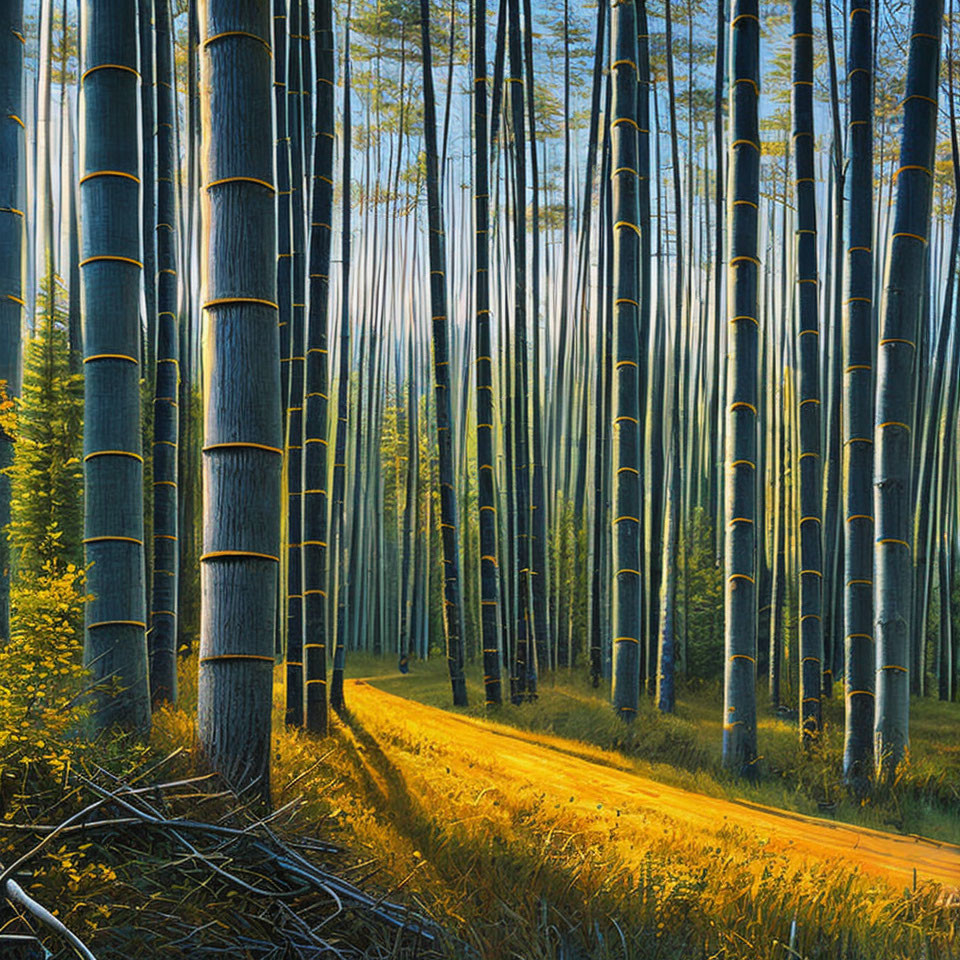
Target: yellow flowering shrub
{"points": [[41, 678]]}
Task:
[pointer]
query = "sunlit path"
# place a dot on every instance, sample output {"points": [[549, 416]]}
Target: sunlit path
{"points": [[597, 783]]}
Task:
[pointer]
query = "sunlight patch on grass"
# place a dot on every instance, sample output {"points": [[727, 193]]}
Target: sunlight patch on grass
{"points": [[684, 749]]}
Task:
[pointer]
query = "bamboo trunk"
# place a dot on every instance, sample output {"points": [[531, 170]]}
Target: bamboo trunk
{"points": [[740, 614], [12, 135], [115, 643], [626, 577], [486, 499], [808, 349], [163, 613], [897, 375], [441, 366], [316, 385], [242, 417]]}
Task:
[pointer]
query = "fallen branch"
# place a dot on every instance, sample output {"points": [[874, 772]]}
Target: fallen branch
{"points": [[16, 894]]}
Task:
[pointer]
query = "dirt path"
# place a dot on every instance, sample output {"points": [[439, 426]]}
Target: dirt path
{"points": [[593, 780]]}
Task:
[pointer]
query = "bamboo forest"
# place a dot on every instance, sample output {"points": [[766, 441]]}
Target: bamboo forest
{"points": [[479, 479]]}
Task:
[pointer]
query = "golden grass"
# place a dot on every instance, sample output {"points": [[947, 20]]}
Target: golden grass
{"points": [[684, 749], [521, 873]]}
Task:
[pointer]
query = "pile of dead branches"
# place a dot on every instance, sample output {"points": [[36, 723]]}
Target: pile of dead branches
{"points": [[187, 869]]}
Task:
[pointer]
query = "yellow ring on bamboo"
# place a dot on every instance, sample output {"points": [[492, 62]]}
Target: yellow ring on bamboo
{"points": [[109, 173], [911, 236], [108, 539], [112, 453], [109, 257], [242, 444], [238, 33], [117, 623], [237, 555], [108, 66], [110, 356], [224, 301], [918, 96], [912, 166], [256, 180]]}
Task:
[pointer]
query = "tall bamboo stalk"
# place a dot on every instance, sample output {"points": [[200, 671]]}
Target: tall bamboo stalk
{"points": [[294, 398], [897, 372], [316, 385], [486, 500], [441, 370], [242, 419], [115, 644], [337, 571], [12, 196], [626, 595], [808, 398], [163, 612], [740, 601], [858, 412]]}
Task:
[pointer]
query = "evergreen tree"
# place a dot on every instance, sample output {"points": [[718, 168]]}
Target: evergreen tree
{"points": [[46, 526]]}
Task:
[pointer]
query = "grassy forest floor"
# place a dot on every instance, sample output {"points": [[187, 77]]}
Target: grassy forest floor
{"points": [[684, 749], [401, 803], [511, 874]]}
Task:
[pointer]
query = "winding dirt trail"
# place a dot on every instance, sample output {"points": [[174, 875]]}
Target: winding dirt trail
{"points": [[593, 779]]}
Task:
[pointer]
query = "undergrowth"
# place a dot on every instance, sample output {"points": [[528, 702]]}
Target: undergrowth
{"points": [[519, 874], [683, 749], [412, 815]]}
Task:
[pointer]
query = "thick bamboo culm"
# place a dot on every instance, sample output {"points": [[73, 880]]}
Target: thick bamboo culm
{"points": [[166, 420], [626, 577], [740, 507], [316, 386], [897, 372], [12, 230], [857, 427], [115, 645], [242, 418]]}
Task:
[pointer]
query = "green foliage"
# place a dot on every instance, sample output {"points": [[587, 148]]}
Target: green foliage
{"points": [[567, 550], [41, 675], [699, 597], [47, 473], [41, 668]]}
